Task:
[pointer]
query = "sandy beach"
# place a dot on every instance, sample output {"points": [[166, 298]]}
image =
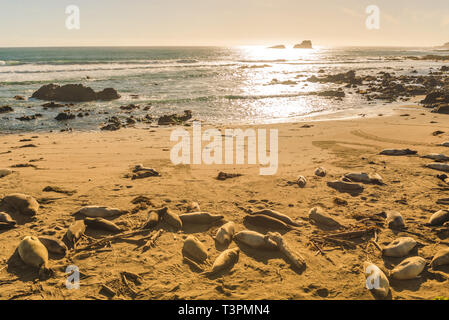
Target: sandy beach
{"points": [[97, 166]]}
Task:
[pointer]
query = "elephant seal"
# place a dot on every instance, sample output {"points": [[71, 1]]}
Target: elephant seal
{"points": [[255, 240], [277, 215], [102, 224], [436, 156], [397, 152], [301, 181], [199, 218], [170, 217], [267, 222], [346, 187], [363, 177], [318, 215], [439, 217], [399, 247], [193, 248], [152, 221], [35, 254], [6, 218], [441, 258], [22, 203], [75, 231], [409, 268], [193, 207], [438, 166], [226, 260], [53, 245], [5, 172], [444, 144], [225, 233], [376, 280], [394, 220], [99, 212], [320, 172]]}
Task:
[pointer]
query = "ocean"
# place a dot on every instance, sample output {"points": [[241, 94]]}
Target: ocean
{"points": [[220, 85]]}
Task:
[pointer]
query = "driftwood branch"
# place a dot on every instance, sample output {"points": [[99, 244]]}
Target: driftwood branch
{"points": [[152, 241], [296, 259], [111, 238]]}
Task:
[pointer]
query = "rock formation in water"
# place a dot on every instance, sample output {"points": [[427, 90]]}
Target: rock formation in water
{"points": [[73, 92], [306, 44]]}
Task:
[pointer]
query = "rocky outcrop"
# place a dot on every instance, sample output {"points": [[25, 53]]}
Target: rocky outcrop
{"points": [[306, 44], [73, 92], [65, 116], [175, 118], [444, 108], [5, 109], [279, 46]]}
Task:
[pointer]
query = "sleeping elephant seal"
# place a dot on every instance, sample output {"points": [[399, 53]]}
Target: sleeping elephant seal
{"points": [[225, 233], [409, 268], [376, 280], [6, 218], [399, 247], [193, 248], [226, 260], [100, 212], [441, 258], [22, 203], [53, 245], [255, 240], [34, 254]]}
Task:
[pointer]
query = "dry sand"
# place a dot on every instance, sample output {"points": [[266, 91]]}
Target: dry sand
{"points": [[95, 164]]}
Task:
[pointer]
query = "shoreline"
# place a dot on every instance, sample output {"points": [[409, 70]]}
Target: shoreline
{"points": [[97, 166]]}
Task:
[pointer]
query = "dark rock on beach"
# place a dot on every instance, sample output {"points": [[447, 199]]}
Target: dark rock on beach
{"points": [[65, 116], [73, 92], [175, 118], [5, 109]]}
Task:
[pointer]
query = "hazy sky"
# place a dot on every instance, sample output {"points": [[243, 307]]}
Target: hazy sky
{"points": [[223, 22]]}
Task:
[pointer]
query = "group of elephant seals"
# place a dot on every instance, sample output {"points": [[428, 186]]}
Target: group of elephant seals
{"points": [[225, 233], [441, 258], [378, 281], [267, 222], [318, 215], [75, 231], [399, 247], [102, 224], [99, 212], [225, 261], [35, 254], [255, 240], [439, 218], [53, 245], [409, 268], [200, 218], [21, 203], [194, 249]]}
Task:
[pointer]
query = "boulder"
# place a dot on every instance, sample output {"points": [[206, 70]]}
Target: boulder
{"points": [[65, 116], [443, 108], [175, 118], [306, 44], [5, 109]]}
